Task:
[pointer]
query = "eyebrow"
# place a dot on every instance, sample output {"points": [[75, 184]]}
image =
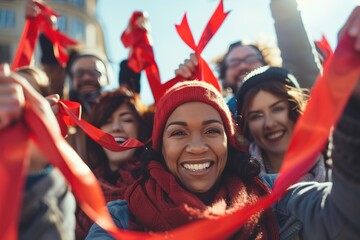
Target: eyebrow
{"points": [[272, 105], [125, 113], [181, 123]]}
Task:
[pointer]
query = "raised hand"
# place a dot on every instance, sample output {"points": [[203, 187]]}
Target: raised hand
{"points": [[12, 100], [188, 69]]}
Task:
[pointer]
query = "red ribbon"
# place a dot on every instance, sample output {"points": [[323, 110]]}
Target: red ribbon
{"points": [[330, 93], [216, 20], [13, 167], [141, 53], [138, 41], [31, 31], [43, 129], [69, 115], [325, 48]]}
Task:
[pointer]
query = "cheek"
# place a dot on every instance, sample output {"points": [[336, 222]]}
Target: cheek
{"points": [[255, 128], [131, 130], [230, 74], [171, 151], [170, 158], [106, 128], [223, 157]]}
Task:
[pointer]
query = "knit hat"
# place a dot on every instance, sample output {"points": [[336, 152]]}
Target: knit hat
{"points": [[190, 91], [260, 75]]}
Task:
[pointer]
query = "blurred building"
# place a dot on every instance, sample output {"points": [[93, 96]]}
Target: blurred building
{"points": [[77, 20]]}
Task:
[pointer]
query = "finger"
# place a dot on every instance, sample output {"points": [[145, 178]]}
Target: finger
{"points": [[194, 59], [12, 103], [53, 101], [183, 71], [190, 65], [4, 71]]}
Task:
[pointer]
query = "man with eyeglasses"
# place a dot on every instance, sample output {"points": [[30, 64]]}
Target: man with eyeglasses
{"points": [[88, 75], [239, 60]]}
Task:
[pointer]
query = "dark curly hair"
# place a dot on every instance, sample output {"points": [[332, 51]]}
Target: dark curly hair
{"points": [[270, 55]]}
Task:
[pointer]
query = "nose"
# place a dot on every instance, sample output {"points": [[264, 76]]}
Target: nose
{"points": [[116, 126], [197, 145], [269, 121]]}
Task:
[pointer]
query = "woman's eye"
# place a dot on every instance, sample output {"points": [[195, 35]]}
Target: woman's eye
{"points": [[128, 120], [278, 109], [213, 131], [177, 133], [253, 117]]}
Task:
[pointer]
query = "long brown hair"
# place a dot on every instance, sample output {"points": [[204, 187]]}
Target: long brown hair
{"points": [[106, 105]]}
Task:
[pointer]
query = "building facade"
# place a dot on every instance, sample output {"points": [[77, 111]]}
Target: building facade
{"points": [[77, 20]]}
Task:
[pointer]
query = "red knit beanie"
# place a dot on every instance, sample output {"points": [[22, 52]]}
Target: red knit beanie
{"points": [[190, 91]]}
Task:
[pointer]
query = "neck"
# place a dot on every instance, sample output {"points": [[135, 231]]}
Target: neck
{"points": [[208, 196], [275, 160]]}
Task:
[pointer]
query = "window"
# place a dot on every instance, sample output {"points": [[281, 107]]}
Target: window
{"points": [[61, 1], [77, 29], [62, 23], [77, 3], [7, 18], [4, 53]]}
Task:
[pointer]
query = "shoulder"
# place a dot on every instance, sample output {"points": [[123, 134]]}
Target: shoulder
{"points": [[119, 211], [120, 214], [268, 179]]}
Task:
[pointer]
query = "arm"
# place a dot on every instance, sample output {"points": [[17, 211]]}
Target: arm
{"points": [[297, 51], [331, 211]]}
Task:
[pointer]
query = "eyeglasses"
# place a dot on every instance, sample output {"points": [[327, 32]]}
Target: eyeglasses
{"points": [[78, 73], [248, 59]]}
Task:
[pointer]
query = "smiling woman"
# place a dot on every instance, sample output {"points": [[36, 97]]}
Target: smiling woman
{"points": [[196, 174], [268, 104], [121, 115]]}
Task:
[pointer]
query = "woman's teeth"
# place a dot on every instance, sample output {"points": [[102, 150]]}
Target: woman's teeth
{"points": [[196, 166], [120, 140]]}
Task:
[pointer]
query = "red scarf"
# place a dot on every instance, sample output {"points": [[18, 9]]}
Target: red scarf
{"points": [[160, 203]]}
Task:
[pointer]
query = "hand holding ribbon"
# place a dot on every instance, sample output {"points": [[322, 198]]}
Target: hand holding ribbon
{"points": [[131, 40], [39, 123], [69, 115], [43, 22], [205, 73]]}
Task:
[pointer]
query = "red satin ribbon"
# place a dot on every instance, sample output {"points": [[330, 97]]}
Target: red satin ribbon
{"points": [[216, 20], [324, 46], [330, 93], [70, 112], [31, 31], [310, 135], [13, 167], [141, 53], [43, 129], [140, 46]]}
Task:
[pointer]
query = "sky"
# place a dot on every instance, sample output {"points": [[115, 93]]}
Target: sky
{"points": [[247, 20]]}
